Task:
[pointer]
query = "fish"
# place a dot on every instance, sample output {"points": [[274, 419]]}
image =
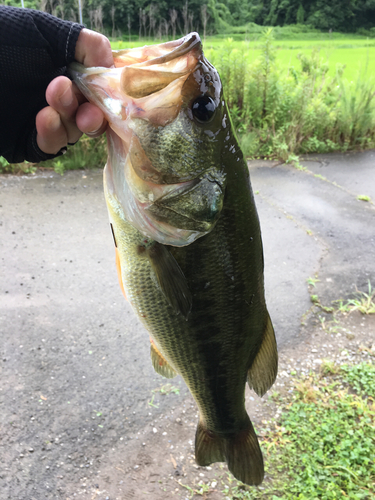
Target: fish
{"points": [[187, 237]]}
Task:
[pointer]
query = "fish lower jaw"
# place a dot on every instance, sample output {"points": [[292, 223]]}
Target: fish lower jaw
{"points": [[150, 192], [165, 233]]}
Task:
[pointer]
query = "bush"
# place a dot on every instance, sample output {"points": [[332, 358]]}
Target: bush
{"points": [[301, 110], [87, 153]]}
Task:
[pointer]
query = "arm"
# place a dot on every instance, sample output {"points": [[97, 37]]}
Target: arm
{"points": [[35, 49]]}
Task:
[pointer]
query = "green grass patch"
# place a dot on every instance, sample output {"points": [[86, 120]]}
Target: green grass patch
{"points": [[322, 446]]}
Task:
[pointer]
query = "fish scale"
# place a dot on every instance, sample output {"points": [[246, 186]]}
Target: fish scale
{"points": [[190, 256]]}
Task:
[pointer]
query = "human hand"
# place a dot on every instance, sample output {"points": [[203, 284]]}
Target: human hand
{"points": [[69, 114]]}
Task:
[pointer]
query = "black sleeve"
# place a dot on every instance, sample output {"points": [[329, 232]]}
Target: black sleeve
{"points": [[35, 48]]}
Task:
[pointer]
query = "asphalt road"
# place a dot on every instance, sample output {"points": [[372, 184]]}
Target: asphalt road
{"points": [[72, 351]]}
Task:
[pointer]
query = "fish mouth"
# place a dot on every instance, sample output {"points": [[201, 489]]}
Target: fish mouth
{"points": [[169, 62], [146, 70]]}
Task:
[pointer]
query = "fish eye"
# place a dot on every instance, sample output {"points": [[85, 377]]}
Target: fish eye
{"points": [[203, 109]]}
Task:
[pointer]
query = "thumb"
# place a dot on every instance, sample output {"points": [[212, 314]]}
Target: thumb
{"points": [[93, 49]]}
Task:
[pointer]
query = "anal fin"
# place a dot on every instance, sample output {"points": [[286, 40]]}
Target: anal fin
{"points": [[170, 278], [241, 452], [209, 447], [159, 363], [263, 371]]}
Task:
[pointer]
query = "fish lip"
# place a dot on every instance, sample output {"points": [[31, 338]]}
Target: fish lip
{"points": [[183, 46]]}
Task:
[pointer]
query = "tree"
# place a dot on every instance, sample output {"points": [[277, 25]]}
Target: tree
{"points": [[300, 14], [204, 16], [173, 17]]}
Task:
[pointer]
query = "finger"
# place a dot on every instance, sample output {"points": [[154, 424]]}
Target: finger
{"points": [[93, 49], [63, 96], [90, 120], [51, 132]]}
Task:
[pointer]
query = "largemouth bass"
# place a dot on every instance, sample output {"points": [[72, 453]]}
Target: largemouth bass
{"points": [[187, 236]]}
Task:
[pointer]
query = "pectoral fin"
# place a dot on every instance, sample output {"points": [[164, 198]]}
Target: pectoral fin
{"points": [[118, 264], [263, 371], [159, 363], [170, 278]]}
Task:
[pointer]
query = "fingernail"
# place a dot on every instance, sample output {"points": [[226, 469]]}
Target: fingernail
{"points": [[93, 132], [66, 98]]}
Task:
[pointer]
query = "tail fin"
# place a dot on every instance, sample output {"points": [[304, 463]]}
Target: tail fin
{"points": [[241, 452], [244, 458]]}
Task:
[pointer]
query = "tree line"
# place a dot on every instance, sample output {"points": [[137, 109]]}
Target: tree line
{"points": [[159, 18]]}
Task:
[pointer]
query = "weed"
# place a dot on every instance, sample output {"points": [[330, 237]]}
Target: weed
{"points": [[306, 390], [316, 301], [151, 402], [312, 281], [360, 377], [329, 367], [331, 326], [59, 167], [363, 302], [294, 160], [164, 390], [318, 176], [363, 197], [87, 153], [204, 488], [16, 168], [284, 113], [167, 389]]}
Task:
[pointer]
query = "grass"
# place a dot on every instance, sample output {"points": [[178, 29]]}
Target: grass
{"points": [[356, 55], [363, 197], [322, 445], [364, 302]]}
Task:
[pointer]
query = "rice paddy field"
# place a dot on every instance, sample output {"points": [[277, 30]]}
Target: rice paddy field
{"points": [[357, 54]]}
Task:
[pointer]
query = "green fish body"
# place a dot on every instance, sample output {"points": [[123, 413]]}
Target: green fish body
{"points": [[187, 236]]}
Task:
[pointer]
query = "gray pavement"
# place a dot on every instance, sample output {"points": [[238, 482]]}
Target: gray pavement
{"points": [[70, 345]]}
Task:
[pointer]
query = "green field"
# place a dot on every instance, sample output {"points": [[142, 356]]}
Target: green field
{"points": [[357, 54]]}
